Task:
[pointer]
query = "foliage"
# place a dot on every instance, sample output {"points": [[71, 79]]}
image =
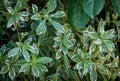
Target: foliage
{"points": [[77, 40]]}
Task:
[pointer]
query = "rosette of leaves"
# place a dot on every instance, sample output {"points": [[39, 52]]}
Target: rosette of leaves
{"points": [[16, 13], [102, 39], [47, 15], [64, 41], [84, 64]]}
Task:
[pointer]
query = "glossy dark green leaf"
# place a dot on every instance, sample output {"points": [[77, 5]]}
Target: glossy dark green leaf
{"points": [[116, 5], [76, 15], [4, 69], [92, 7]]}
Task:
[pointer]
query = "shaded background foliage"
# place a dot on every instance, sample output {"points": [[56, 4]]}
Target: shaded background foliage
{"points": [[59, 40]]}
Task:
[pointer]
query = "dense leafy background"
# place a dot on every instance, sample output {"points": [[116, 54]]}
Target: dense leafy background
{"points": [[59, 40]]}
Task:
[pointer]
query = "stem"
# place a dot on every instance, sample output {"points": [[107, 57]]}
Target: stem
{"points": [[18, 34]]}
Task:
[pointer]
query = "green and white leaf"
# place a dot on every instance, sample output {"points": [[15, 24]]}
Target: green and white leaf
{"points": [[4, 69], [13, 52], [41, 29], [44, 60], [58, 14], [12, 73], [35, 71], [26, 55], [34, 8], [25, 67], [57, 26], [51, 5]]}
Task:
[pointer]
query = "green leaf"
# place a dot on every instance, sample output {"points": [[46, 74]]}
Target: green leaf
{"points": [[76, 15], [92, 7], [92, 47], [44, 60], [58, 55], [109, 34], [66, 61], [58, 14], [26, 55], [4, 69], [101, 26], [93, 35], [13, 52], [65, 74], [79, 65], [36, 16], [11, 10], [25, 67], [34, 8], [10, 22], [57, 26], [51, 5], [102, 69], [35, 71], [93, 75], [41, 67], [41, 28], [116, 5], [12, 73], [110, 45]]}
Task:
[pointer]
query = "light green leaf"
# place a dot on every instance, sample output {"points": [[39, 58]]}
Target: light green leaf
{"points": [[35, 71], [93, 35], [110, 45], [116, 5], [36, 16], [58, 55], [92, 7], [76, 15], [41, 67], [25, 67], [10, 22], [58, 14], [65, 74], [92, 47], [11, 10], [44, 60], [12, 73], [102, 69], [93, 75], [66, 61], [34, 8], [4, 69], [13, 52], [51, 5], [109, 34], [57, 26], [101, 26], [41, 29], [26, 55], [79, 65]]}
